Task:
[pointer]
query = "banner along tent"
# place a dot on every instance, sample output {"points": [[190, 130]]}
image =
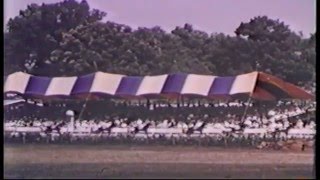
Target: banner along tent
{"points": [[257, 85]]}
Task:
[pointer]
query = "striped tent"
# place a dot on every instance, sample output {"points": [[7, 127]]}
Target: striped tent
{"points": [[258, 85]]}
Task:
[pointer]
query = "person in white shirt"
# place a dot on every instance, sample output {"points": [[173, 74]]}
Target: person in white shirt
{"points": [[299, 124], [271, 113]]}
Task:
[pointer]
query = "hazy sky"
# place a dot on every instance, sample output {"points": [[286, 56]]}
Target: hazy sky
{"points": [[207, 15]]}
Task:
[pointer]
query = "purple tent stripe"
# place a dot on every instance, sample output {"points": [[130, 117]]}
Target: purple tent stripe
{"points": [[37, 85], [174, 83], [221, 85], [129, 85], [83, 84]]}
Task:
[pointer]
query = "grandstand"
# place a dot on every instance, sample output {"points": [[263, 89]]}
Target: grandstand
{"points": [[173, 109]]}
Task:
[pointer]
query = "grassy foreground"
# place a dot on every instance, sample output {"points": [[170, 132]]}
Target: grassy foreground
{"points": [[81, 161]]}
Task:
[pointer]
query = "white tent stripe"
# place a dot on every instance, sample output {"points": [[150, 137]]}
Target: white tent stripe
{"points": [[197, 84], [152, 85], [61, 86], [106, 83], [17, 82], [244, 83]]}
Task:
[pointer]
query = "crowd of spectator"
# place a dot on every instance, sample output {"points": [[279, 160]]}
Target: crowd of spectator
{"points": [[172, 122]]}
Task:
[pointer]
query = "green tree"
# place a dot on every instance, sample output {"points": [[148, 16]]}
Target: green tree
{"points": [[69, 39], [279, 50], [37, 31]]}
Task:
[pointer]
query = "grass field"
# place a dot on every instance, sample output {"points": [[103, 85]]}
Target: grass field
{"points": [[100, 161]]}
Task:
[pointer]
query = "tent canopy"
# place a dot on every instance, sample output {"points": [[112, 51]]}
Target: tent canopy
{"points": [[258, 85]]}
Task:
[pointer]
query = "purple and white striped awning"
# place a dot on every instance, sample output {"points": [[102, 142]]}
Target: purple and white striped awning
{"points": [[101, 84]]}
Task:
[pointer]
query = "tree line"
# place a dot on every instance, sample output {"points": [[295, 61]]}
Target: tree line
{"points": [[70, 39]]}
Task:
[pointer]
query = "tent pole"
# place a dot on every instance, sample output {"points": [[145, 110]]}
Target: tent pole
{"points": [[246, 109], [250, 95], [87, 98], [182, 101], [148, 103], [84, 106]]}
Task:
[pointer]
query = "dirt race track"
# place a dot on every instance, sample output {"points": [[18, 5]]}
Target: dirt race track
{"points": [[84, 161]]}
